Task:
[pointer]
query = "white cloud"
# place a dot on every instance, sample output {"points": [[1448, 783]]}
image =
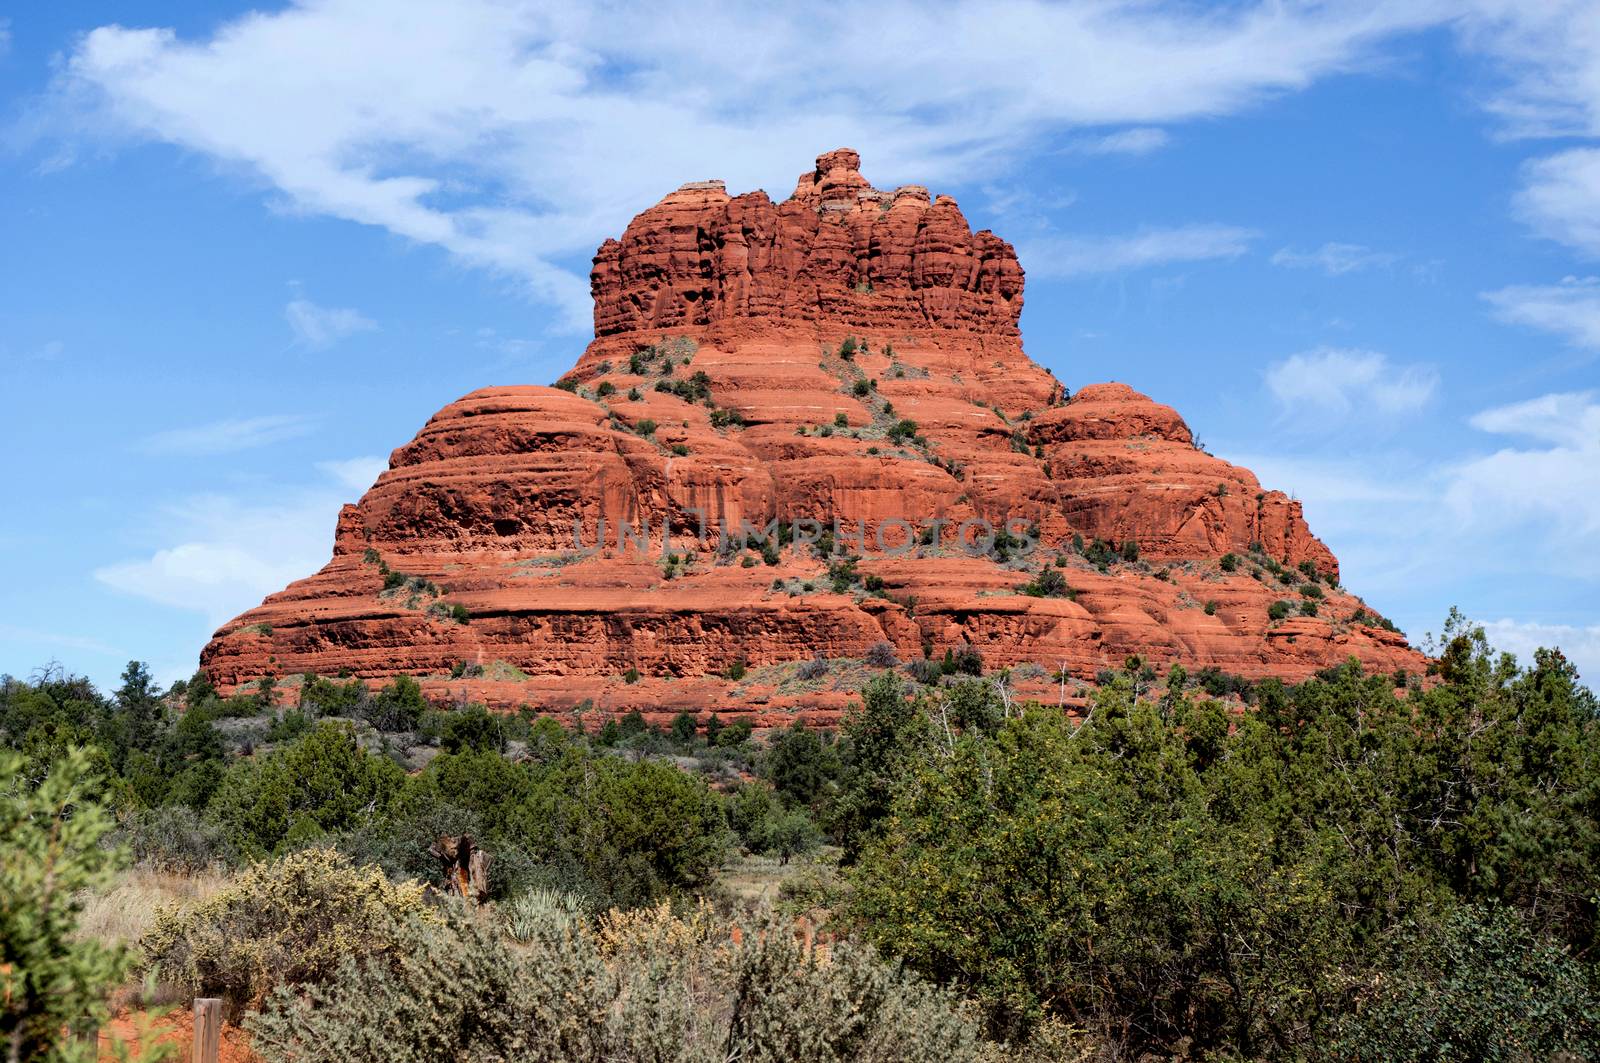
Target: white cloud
{"points": [[217, 579], [1334, 259], [357, 474], [1560, 198], [319, 327], [1554, 489], [1570, 309], [513, 133], [1343, 381], [1581, 645], [227, 553], [1549, 53], [1141, 140], [1071, 256], [1569, 418], [227, 436]]}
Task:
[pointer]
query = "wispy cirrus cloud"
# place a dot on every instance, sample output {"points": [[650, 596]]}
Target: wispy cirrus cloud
{"points": [[1071, 256], [1343, 381], [508, 132], [1554, 484], [1570, 309], [227, 436], [320, 327], [357, 474], [1141, 140], [1334, 259]]}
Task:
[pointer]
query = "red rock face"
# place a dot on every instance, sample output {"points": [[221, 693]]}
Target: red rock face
{"points": [[721, 389]]}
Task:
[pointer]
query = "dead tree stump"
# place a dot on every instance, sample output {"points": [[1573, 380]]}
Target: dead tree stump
{"points": [[465, 866]]}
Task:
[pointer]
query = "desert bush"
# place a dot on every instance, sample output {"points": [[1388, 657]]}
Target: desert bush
{"points": [[642, 986], [452, 990], [174, 838], [283, 923]]}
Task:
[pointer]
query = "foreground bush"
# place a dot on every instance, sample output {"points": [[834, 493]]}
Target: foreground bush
{"points": [[1478, 985], [284, 923], [645, 986], [49, 854], [1187, 883]]}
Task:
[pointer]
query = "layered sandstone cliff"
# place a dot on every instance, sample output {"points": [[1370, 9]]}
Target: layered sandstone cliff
{"points": [[849, 356]]}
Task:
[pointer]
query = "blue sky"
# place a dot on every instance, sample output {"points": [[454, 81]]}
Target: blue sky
{"points": [[247, 254]]}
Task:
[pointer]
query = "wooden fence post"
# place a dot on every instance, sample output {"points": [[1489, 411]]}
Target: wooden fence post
{"points": [[207, 1029]]}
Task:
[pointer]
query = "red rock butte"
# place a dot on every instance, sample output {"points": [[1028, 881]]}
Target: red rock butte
{"points": [[849, 355]]}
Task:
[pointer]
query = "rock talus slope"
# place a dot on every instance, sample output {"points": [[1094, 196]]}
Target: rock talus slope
{"points": [[849, 356]]}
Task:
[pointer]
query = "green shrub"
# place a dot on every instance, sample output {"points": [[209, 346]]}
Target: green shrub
{"points": [[1478, 984], [284, 923], [736, 670], [1279, 609], [1049, 583], [1229, 562], [50, 856], [645, 426], [322, 782], [631, 675], [605, 388], [1211, 607]]}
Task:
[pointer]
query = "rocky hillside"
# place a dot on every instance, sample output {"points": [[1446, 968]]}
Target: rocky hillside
{"points": [[849, 357]]}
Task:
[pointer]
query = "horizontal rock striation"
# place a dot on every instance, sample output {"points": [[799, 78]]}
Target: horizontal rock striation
{"points": [[850, 357]]}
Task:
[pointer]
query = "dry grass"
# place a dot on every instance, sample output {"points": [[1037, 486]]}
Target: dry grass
{"points": [[122, 913]]}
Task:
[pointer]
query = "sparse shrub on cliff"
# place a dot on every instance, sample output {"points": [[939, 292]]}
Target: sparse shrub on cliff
{"points": [[631, 675], [644, 427], [605, 388], [815, 668], [861, 389], [1308, 608], [736, 669], [1130, 550], [1279, 609], [1211, 607], [1229, 562], [1049, 583], [847, 349], [882, 655], [902, 430], [725, 418]]}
